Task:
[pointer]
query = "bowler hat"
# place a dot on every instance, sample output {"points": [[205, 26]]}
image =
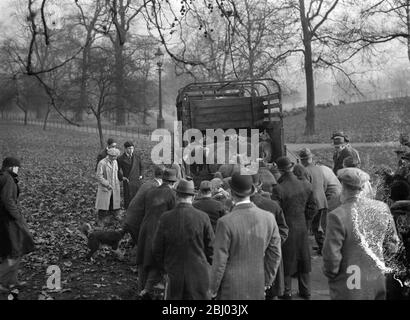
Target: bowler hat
{"points": [[128, 144], [305, 153], [205, 185], [185, 187], [353, 177], [284, 163], [11, 162], [241, 185], [169, 175]]}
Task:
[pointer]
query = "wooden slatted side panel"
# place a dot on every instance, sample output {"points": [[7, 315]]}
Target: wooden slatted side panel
{"points": [[221, 113]]}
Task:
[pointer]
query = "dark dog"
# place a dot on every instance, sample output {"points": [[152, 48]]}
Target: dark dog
{"points": [[98, 238]]}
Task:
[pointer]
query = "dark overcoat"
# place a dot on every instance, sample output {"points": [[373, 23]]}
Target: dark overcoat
{"points": [[297, 202], [212, 207], [136, 211], [273, 207], [15, 237], [183, 248], [246, 255], [157, 201], [338, 157], [131, 168]]}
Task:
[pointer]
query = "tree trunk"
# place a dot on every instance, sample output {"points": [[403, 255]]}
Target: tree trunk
{"points": [[25, 117], [119, 83], [100, 132], [46, 118], [408, 27], [310, 87]]}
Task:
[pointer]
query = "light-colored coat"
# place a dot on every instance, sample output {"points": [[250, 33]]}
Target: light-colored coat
{"points": [[247, 253], [107, 175], [344, 256]]}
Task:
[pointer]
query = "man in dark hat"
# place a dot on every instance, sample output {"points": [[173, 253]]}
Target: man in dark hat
{"points": [[156, 202], [247, 249], [343, 149], [316, 177], [183, 247], [15, 238], [130, 165], [206, 203], [103, 154], [265, 203], [299, 206]]}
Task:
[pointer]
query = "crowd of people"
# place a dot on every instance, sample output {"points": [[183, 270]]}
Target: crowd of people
{"points": [[245, 236]]}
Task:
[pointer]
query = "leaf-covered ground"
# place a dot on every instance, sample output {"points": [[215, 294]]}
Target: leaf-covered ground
{"points": [[58, 191], [373, 121]]}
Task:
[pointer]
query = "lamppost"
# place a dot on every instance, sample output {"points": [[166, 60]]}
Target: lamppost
{"points": [[159, 57]]}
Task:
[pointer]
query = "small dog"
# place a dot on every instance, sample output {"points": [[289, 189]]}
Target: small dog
{"points": [[98, 238]]}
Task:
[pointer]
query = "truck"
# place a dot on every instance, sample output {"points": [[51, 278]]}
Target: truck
{"points": [[234, 104]]}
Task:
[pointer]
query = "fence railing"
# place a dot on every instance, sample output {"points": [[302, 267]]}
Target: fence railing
{"points": [[135, 132]]}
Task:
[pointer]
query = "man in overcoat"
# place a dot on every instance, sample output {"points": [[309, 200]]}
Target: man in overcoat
{"points": [[298, 204], [247, 249], [135, 211], [183, 247], [343, 149], [316, 178], [130, 164], [359, 234], [157, 201], [272, 206], [207, 204]]}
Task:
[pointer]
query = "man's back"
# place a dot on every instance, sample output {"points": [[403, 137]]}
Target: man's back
{"points": [[317, 179], [183, 245], [212, 207], [157, 201], [246, 251], [356, 234]]}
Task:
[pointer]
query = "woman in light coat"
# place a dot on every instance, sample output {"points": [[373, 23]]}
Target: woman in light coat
{"points": [[108, 193]]}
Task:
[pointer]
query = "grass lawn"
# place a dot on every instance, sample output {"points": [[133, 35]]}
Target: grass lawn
{"points": [[374, 121]]}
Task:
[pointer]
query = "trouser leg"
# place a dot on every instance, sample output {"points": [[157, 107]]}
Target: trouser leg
{"points": [[317, 232], [154, 277], [304, 284], [288, 285], [142, 278], [9, 271], [127, 199]]}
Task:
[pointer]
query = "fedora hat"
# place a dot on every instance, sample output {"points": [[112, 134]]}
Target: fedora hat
{"points": [[305, 153], [185, 187], [169, 175], [284, 163], [205, 185], [241, 185], [338, 135]]}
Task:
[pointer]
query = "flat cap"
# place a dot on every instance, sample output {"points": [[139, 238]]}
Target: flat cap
{"points": [[353, 177]]}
